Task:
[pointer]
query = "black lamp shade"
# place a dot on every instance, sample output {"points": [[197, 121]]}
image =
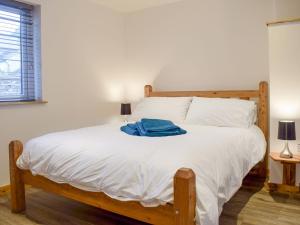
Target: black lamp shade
{"points": [[286, 130], [125, 109]]}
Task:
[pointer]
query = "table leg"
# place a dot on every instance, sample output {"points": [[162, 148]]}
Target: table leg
{"points": [[289, 173]]}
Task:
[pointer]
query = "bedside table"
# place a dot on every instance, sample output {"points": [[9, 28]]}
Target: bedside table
{"points": [[289, 167]]}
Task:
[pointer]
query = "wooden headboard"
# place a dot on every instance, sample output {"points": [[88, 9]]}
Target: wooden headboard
{"points": [[261, 94]]}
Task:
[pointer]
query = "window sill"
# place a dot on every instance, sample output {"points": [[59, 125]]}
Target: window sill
{"points": [[38, 102]]}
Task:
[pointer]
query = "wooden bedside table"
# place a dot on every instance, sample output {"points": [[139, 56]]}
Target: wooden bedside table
{"points": [[289, 167]]}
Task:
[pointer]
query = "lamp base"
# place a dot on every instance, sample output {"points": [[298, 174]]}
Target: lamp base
{"points": [[286, 153], [125, 118]]}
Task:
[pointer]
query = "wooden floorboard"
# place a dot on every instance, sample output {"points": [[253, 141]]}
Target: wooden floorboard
{"points": [[248, 207]]}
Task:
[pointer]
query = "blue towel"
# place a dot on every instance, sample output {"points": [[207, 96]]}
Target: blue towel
{"points": [[153, 125], [130, 129], [153, 128]]}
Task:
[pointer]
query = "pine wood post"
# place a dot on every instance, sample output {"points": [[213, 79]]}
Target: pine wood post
{"points": [[185, 197], [289, 173], [16, 180], [263, 122], [148, 90]]}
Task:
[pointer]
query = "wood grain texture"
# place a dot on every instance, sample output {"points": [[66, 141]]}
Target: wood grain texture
{"points": [[148, 90], [278, 22], [38, 102], [17, 186], [4, 190], [289, 174], [289, 167], [283, 188], [263, 123], [276, 157], [185, 197], [258, 207], [162, 215], [209, 94], [248, 207]]}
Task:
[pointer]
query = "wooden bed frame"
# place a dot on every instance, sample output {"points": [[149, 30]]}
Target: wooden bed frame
{"points": [[181, 212]]}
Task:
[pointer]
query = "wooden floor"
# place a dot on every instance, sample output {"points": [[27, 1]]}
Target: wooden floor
{"points": [[248, 207]]}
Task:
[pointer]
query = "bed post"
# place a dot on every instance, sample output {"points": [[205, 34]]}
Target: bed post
{"points": [[148, 90], [16, 180], [185, 197], [263, 123]]}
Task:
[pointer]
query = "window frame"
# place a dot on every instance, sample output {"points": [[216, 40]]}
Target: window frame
{"points": [[36, 83]]}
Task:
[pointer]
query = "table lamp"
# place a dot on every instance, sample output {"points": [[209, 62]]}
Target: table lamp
{"points": [[125, 110], [287, 132]]}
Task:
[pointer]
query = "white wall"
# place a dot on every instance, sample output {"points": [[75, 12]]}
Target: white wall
{"points": [[284, 78], [82, 43], [192, 44], [285, 9], [284, 84]]}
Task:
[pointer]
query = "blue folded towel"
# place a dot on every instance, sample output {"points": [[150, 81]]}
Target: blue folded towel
{"points": [[153, 128], [153, 125]]}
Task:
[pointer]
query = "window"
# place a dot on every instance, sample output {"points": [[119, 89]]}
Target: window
{"points": [[19, 63]]}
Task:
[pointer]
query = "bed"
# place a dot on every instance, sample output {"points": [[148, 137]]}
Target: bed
{"points": [[146, 185]]}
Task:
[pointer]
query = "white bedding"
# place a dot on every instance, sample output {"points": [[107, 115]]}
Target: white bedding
{"points": [[104, 159]]}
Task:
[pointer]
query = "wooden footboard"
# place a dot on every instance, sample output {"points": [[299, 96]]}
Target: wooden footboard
{"points": [[182, 212]]}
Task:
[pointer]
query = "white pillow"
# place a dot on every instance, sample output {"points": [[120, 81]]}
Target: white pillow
{"points": [[222, 112], [168, 108]]}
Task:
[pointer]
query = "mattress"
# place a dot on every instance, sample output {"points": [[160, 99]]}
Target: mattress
{"points": [[104, 159]]}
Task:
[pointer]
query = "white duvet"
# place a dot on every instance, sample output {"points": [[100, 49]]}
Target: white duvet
{"points": [[104, 159]]}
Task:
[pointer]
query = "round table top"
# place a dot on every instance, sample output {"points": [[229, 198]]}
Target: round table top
{"points": [[276, 157]]}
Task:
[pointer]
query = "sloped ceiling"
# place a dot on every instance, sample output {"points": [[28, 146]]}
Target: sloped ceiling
{"points": [[133, 5]]}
